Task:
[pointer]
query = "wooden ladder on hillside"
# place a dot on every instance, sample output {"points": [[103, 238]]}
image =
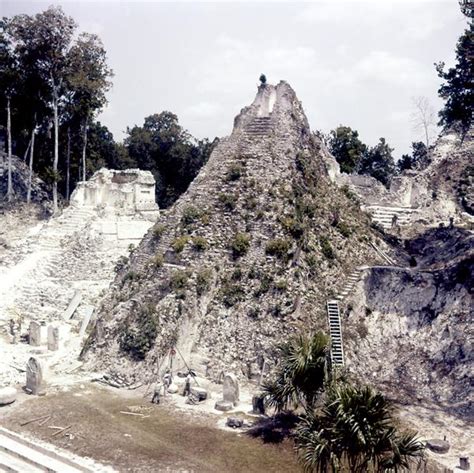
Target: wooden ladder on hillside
{"points": [[335, 331]]}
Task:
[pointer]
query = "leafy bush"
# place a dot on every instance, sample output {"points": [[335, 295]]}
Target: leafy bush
{"points": [[278, 247], [235, 172], [190, 215], [326, 248], [344, 229], [121, 263], [240, 245], [281, 285], [131, 276], [158, 231], [158, 260], [292, 226], [231, 293], [265, 285], [203, 281], [137, 340], [179, 243], [179, 280], [229, 201], [200, 243]]}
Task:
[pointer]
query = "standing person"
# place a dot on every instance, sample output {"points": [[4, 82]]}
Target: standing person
{"points": [[167, 380], [156, 393], [187, 384]]}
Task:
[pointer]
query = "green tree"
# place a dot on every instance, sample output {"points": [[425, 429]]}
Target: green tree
{"points": [[10, 85], [419, 158], [457, 90], [346, 147], [87, 83], [45, 40], [301, 373], [378, 162], [354, 432]]}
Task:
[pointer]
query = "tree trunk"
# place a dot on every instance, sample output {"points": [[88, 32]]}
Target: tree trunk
{"points": [[68, 161], [56, 150], [84, 145], [30, 173], [9, 136]]}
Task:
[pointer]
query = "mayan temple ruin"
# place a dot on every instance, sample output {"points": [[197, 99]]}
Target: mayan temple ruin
{"points": [[189, 286]]}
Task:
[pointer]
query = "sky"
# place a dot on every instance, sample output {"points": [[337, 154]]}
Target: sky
{"points": [[353, 63]]}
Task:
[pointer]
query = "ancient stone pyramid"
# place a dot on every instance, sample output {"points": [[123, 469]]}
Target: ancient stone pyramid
{"points": [[246, 257]]}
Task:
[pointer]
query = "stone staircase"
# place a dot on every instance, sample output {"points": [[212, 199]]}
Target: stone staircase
{"points": [[259, 126], [20, 455], [350, 283], [384, 215], [335, 331]]}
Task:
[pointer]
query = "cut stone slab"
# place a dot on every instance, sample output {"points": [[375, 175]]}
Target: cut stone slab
{"points": [[34, 334], [53, 338], [234, 422], [231, 389], [258, 405], [438, 445], [34, 376], [224, 406], [71, 308], [7, 395], [88, 311]]}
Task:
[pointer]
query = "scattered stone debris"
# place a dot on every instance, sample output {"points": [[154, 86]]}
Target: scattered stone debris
{"points": [[234, 422], [438, 445]]}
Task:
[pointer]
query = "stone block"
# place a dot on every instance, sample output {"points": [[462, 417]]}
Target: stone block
{"points": [[34, 334], [234, 422], [75, 301], [438, 445], [7, 395], [53, 338], [231, 389], [223, 406], [34, 376], [200, 393]]}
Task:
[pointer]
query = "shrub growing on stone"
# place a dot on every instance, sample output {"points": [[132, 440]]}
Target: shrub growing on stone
{"points": [[344, 229], [179, 280], [240, 244], [235, 172], [158, 231], [121, 263], [190, 215], [326, 248], [137, 339], [278, 247], [231, 293], [179, 243], [203, 281], [158, 260], [200, 243], [229, 201]]}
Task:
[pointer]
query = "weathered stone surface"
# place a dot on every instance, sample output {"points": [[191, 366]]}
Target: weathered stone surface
{"points": [[71, 308], [231, 389], [7, 395], [173, 388], [34, 334], [258, 405], [34, 376], [438, 445], [53, 338], [223, 406], [464, 463], [234, 422]]}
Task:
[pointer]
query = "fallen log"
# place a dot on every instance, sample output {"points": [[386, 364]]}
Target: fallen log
{"points": [[33, 420], [61, 431]]}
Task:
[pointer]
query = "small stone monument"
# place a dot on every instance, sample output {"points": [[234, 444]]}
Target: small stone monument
{"points": [[231, 388], [34, 334], [258, 405], [464, 463], [53, 338], [34, 376], [231, 393]]}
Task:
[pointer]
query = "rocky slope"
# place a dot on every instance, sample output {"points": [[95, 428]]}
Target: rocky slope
{"points": [[419, 321], [246, 257]]}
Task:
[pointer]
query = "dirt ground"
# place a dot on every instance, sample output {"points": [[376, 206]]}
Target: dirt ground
{"points": [[161, 439]]}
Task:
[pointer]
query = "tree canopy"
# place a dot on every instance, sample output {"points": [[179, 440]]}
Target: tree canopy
{"points": [[346, 147]]}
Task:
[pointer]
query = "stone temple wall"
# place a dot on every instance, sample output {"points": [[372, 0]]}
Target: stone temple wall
{"points": [[130, 190]]}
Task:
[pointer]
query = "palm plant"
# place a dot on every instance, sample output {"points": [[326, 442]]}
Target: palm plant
{"points": [[301, 373], [354, 433]]}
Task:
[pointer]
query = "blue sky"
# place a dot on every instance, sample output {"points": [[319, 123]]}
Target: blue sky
{"points": [[352, 63]]}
